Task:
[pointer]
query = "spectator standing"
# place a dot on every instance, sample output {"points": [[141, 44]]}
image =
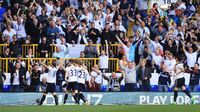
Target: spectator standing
{"points": [[93, 33], [15, 47], [164, 79], [9, 32], [60, 78], [104, 59], [114, 82], [130, 76], [144, 75], [35, 78], [90, 50], [19, 27], [17, 78], [58, 54], [194, 77], [44, 48], [97, 76], [191, 56], [2, 79]]}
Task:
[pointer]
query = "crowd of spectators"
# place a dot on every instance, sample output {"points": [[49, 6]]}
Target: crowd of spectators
{"points": [[155, 43]]}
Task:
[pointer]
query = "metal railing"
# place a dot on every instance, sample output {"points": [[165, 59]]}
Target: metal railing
{"points": [[7, 63], [34, 47]]}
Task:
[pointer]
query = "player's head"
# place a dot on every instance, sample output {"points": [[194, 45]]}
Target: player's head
{"points": [[53, 63], [71, 62], [79, 62], [17, 65], [44, 80], [113, 75]]}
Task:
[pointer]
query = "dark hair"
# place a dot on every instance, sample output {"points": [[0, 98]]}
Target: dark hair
{"points": [[155, 4], [197, 64]]}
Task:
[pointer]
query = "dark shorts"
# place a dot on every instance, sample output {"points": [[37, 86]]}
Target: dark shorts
{"points": [[51, 87], [81, 87], [180, 82], [72, 86]]}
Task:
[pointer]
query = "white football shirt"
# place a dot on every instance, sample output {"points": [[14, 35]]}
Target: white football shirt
{"points": [[83, 76]]}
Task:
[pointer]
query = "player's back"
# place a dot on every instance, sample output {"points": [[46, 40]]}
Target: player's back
{"points": [[51, 77], [83, 75], [72, 73], [179, 68]]}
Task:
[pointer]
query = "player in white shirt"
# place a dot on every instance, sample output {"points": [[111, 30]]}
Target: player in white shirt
{"points": [[83, 78], [71, 78], [51, 81], [180, 81]]}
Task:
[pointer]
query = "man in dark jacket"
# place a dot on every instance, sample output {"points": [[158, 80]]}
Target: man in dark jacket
{"points": [[44, 48], [93, 33], [194, 77], [2, 79], [144, 75]]}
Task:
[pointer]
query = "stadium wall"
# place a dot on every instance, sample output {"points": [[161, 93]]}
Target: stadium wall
{"points": [[103, 98]]}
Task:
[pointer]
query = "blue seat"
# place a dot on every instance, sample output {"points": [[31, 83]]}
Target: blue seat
{"points": [[154, 88], [6, 88]]}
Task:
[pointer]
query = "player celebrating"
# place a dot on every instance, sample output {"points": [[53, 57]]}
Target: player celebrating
{"points": [[83, 78], [51, 80], [71, 78], [180, 81]]}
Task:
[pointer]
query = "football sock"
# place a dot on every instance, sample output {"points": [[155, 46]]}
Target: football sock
{"points": [[65, 98], [175, 95], [76, 98], [56, 99], [187, 93], [82, 97], [42, 100]]}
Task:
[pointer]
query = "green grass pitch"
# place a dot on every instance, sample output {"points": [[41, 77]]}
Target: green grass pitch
{"points": [[103, 108]]}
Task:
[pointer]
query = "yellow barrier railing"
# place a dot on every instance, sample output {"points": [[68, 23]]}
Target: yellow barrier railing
{"points": [[2, 47], [7, 63], [34, 47]]}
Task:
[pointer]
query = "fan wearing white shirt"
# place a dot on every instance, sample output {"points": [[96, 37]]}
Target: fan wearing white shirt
{"points": [[157, 57], [180, 81], [49, 6], [9, 32], [19, 27], [143, 30], [191, 56], [156, 44], [51, 81], [98, 23], [103, 59], [97, 75]]}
